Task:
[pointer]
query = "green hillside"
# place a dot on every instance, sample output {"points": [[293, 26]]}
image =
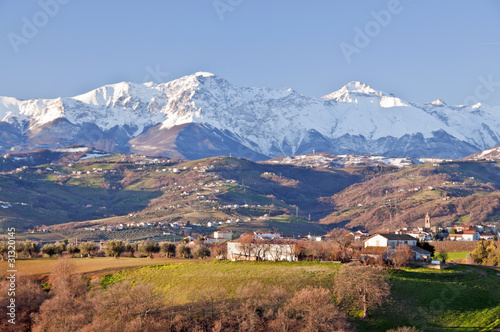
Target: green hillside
{"points": [[120, 189], [460, 298]]}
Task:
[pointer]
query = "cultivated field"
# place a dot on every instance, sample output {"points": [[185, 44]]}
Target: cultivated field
{"points": [[96, 265]]}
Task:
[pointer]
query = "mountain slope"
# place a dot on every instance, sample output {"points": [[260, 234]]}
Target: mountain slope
{"points": [[251, 122], [465, 192]]}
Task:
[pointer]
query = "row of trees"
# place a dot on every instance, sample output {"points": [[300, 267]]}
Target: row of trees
{"points": [[74, 303], [115, 248], [26, 249]]}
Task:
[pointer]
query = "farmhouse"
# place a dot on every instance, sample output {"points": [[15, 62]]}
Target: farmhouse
{"points": [[471, 235], [257, 250], [226, 235], [390, 240], [384, 245], [219, 236]]}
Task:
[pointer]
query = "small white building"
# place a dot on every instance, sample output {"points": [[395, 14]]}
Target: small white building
{"points": [[267, 235], [390, 240], [487, 237], [471, 236], [226, 235], [385, 245], [261, 251], [455, 237], [422, 236]]}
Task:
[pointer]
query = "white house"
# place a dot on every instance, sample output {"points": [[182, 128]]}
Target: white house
{"points": [[261, 250], [390, 240], [422, 236], [455, 237], [487, 237], [267, 235], [226, 235], [471, 236], [387, 243]]}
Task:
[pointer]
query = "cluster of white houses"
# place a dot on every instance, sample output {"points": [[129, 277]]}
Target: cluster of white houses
{"points": [[451, 233], [278, 248]]}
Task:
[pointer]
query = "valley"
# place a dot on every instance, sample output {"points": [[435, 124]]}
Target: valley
{"points": [[84, 193]]}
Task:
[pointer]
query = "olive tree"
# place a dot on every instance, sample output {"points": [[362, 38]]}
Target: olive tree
{"points": [[114, 248], [149, 248]]}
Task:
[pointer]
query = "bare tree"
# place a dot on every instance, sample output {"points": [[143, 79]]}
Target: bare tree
{"points": [[125, 307], [343, 239], [68, 309], [402, 256], [29, 296], [404, 329], [313, 310], [219, 250], [246, 243], [362, 287]]}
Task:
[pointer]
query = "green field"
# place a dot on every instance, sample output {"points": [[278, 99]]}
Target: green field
{"points": [[461, 298], [457, 255]]}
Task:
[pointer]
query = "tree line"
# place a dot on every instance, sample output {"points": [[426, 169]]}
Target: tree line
{"points": [[115, 248]]}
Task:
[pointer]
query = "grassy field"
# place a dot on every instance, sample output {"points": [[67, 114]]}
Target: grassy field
{"points": [[461, 298], [183, 282], [457, 255]]}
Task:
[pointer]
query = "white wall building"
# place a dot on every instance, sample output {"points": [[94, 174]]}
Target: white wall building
{"points": [[226, 235], [390, 240], [471, 236], [257, 251]]}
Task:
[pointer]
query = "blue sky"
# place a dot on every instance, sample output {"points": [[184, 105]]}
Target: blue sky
{"points": [[423, 51]]}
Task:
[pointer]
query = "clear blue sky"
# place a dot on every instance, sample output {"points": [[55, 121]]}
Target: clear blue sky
{"points": [[427, 50]]}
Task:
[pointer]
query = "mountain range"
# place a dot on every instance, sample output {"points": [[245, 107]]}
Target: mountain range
{"points": [[203, 115]]}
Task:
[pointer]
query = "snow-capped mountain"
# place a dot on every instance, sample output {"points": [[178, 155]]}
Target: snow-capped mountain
{"points": [[492, 154], [204, 115]]}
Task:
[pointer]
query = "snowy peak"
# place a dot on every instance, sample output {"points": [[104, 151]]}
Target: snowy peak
{"points": [[360, 87], [492, 154], [355, 119], [438, 102], [351, 91], [203, 74]]}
